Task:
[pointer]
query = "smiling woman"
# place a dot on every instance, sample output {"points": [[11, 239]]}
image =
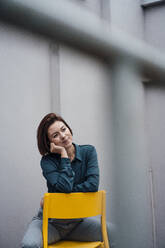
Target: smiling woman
{"points": [[50, 130], [67, 167], [60, 135]]}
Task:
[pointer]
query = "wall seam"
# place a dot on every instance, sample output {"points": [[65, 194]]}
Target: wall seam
{"points": [[54, 66]]}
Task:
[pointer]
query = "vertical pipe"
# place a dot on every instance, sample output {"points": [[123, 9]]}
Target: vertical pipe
{"points": [[153, 207], [130, 159], [54, 67]]}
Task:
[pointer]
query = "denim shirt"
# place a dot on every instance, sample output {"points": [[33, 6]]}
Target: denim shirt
{"points": [[80, 175]]}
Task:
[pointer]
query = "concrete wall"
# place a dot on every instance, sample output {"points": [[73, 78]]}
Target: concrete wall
{"points": [[39, 77], [155, 128], [86, 104], [132, 204], [154, 18], [155, 95], [128, 16], [24, 99]]}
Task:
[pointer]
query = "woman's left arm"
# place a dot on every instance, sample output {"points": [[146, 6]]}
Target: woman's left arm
{"points": [[91, 182]]}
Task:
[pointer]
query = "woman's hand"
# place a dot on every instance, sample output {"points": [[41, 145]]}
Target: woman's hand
{"points": [[58, 149]]}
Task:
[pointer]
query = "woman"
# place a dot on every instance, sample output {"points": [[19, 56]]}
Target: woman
{"points": [[67, 167]]}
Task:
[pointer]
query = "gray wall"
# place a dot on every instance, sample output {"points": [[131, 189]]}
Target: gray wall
{"points": [[155, 123], [148, 24], [39, 77], [24, 99], [155, 128], [85, 102], [127, 15], [132, 204], [154, 19]]}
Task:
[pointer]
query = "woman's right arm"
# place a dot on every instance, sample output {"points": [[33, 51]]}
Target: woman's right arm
{"points": [[61, 177]]}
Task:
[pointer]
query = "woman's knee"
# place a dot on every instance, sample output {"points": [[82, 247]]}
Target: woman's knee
{"points": [[33, 241], [33, 235], [31, 244]]}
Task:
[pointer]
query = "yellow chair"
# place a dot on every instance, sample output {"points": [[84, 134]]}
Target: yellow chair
{"points": [[71, 206]]}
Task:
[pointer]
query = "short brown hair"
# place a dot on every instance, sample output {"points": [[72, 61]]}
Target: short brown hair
{"points": [[42, 132]]}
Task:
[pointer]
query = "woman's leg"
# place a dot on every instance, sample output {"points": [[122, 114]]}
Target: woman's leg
{"points": [[90, 230], [33, 235]]}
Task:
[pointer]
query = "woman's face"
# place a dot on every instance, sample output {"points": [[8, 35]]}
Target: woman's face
{"points": [[59, 134]]}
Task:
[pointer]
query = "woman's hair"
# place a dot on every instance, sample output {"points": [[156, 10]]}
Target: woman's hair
{"points": [[42, 132]]}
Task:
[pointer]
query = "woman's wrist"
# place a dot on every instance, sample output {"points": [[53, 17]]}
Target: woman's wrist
{"points": [[64, 153]]}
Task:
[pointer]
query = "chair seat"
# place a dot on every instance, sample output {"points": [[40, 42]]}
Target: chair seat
{"points": [[76, 244]]}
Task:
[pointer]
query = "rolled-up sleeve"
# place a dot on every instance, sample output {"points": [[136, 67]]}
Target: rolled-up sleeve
{"points": [[61, 176], [91, 182]]}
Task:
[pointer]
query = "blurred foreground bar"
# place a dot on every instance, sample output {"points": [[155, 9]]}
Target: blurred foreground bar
{"points": [[68, 23]]}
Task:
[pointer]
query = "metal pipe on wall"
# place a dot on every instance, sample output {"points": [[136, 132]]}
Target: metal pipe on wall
{"points": [[132, 215]]}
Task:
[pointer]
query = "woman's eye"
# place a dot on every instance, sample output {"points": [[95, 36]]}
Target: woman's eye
{"points": [[55, 135], [64, 129]]}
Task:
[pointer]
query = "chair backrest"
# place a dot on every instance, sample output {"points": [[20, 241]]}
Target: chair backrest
{"points": [[74, 205]]}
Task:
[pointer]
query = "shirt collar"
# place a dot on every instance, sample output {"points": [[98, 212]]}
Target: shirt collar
{"points": [[78, 152]]}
